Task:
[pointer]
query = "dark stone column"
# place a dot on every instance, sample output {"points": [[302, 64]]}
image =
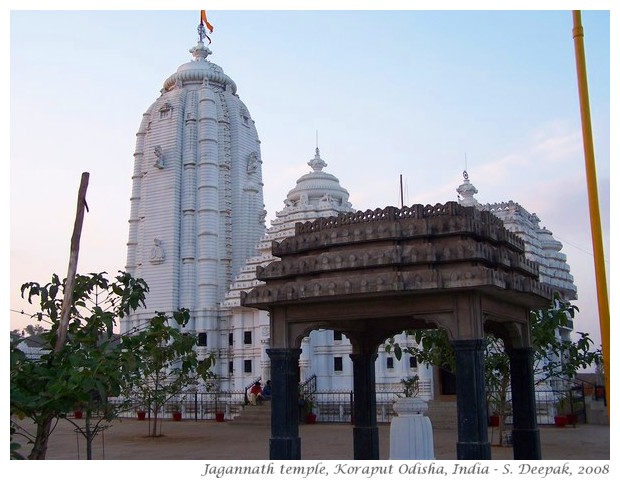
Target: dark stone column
{"points": [[365, 431], [285, 443], [525, 433], [473, 443]]}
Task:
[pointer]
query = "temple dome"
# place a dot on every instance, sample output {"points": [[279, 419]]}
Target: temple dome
{"points": [[317, 187], [199, 70]]}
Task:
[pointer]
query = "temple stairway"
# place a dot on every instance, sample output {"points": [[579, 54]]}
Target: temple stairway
{"points": [[255, 415], [442, 412]]}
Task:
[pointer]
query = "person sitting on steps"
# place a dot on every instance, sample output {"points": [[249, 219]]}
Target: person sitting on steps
{"points": [[267, 391], [256, 394]]}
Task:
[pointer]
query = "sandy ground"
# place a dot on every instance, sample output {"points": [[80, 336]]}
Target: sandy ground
{"points": [[128, 439]]}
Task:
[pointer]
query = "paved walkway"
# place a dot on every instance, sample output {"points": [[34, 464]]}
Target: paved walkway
{"points": [[202, 440]]}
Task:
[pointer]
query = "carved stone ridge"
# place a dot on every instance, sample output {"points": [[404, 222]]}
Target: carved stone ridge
{"points": [[409, 252], [392, 223]]}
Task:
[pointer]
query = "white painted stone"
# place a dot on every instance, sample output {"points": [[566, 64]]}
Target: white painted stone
{"points": [[411, 432]]}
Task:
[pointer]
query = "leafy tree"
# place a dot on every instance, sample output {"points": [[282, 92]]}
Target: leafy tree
{"points": [[167, 363], [88, 369], [29, 331], [554, 357], [497, 380], [94, 364]]}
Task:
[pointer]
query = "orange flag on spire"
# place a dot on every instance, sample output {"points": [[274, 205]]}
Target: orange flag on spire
{"points": [[204, 21]]}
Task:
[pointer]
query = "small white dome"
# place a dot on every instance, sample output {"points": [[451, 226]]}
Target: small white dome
{"points": [[317, 187]]}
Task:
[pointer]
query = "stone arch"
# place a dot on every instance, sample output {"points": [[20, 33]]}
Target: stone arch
{"points": [[514, 335]]}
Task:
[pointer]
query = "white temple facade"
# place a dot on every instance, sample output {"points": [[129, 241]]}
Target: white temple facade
{"points": [[197, 207], [197, 232], [540, 246]]}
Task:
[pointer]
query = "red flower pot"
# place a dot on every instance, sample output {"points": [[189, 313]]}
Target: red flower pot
{"points": [[141, 415], [494, 420], [78, 414], [219, 417], [571, 419], [311, 418], [176, 416], [560, 420]]}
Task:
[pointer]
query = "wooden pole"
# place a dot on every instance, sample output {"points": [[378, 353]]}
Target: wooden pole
{"points": [[595, 215], [73, 259]]}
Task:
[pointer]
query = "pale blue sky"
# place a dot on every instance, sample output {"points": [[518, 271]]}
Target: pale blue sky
{"points": [[390, 93]]}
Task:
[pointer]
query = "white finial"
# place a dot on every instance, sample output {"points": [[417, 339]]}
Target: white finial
{"points": [[317, 163], [467, 191], [200, 52]]}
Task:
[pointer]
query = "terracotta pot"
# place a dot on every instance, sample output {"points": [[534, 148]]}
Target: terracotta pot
{"points": [[176, 416], [219, 417], [560, 420], [141, 415], [78, 414]]}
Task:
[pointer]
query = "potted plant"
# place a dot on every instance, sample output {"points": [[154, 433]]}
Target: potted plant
{"points": [[494, 420], [562, 408], [571, 419], [78, 411], [411, 386], [219, 415], [411, 435], [176, 413], [408, 403], [308, 409], [141, 410]]}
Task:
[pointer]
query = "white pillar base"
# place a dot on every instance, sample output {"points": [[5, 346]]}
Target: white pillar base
{"points": [[411, 432]]}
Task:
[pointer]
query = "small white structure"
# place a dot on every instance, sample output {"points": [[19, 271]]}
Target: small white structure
{"points": [[411, 432]]}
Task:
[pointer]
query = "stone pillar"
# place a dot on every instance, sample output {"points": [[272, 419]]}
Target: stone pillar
{"points": [[285, 443], [472, 441], [365, 431], [525, 433]]}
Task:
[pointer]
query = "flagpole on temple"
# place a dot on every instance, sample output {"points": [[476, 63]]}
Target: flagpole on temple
{"points": [[595, 216]]}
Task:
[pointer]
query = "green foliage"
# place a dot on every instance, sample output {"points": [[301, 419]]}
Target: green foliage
{"points": [[94, 364], [411, 386], [432, 346], [166, 362], [554, 357], [14, 445], [89, 368], [29, 331]]}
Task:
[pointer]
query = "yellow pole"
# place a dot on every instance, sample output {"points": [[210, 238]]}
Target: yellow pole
{"points": [[595, 216]]}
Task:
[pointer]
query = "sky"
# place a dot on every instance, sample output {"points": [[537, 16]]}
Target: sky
{"points": [[418, 93]]}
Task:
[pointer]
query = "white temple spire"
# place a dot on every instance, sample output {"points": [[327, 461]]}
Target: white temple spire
{"points": [[467, 191], [317, 163]]}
